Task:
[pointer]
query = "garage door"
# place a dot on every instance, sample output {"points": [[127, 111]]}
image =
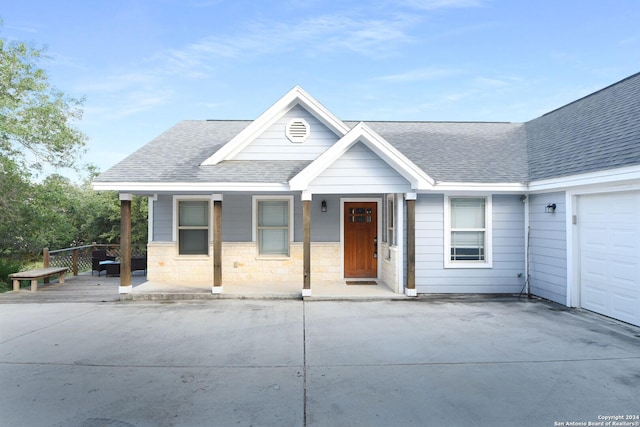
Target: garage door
{"points": [[609, 245]]}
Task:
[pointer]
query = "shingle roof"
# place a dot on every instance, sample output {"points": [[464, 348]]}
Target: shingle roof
{"points": [[175, 156], [461, 152], [474, 152], [598, 132]]}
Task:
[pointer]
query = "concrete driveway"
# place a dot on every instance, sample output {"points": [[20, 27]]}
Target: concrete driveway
{"points": [[423, 362]]}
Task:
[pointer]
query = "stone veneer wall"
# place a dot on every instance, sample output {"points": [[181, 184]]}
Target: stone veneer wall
{"points": [[163, 265], [240, 263]]}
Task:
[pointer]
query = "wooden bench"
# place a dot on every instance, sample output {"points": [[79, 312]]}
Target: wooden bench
{"points": [[34, 275]]}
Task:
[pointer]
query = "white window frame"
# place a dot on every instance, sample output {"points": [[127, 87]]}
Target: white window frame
{"points": [[254, 223], [488, 235], [176, 211]]}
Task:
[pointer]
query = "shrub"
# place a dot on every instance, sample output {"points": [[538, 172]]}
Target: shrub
{"points": [[8, 266]]}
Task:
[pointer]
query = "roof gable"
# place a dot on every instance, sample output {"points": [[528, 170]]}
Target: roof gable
{"points": [[274, 144], [296, 96], [361, 133]]}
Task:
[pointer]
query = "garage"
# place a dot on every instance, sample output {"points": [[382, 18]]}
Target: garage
{"points": [[609, 254]]}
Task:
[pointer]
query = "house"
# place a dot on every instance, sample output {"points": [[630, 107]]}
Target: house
{"points": [[550, 206]]}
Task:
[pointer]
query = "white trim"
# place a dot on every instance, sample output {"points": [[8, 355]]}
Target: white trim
{"points": [[150, 217], [217, 290], [488, 262], [610, 176], [125, 196], [573, 252], [188, 187], [387, 152], [411, 292], [400, 235], [572, 200], [254, 218], [191, 197], [306, 196], [125, 289], [296, 96], [378, 202], [467, 187]]}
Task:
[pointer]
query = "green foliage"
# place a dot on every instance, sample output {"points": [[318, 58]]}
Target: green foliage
{"points": [[35, 118], [8, 266], [36, 129]]}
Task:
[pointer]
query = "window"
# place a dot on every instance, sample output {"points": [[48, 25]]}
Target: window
{"points": [[273, 225], [193, 227], [467, 242]]}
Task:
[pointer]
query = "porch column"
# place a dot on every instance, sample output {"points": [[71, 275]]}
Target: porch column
{"points": [[125, 243], [306, 246], [217, 244], [410, 289]]}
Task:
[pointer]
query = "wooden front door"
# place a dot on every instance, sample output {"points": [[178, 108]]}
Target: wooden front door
{"points": [[360, 239]]}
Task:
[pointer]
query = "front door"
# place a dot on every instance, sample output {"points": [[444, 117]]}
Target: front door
{"points": [[360, 240]]}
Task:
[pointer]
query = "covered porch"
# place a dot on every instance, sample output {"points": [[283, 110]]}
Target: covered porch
{"points": [[218, 273]]}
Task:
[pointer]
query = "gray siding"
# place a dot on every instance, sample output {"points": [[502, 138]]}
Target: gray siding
{"points": [[360, 169], [273, 144], [236, 218], [162, 218], [548, 247], [508, 250]]}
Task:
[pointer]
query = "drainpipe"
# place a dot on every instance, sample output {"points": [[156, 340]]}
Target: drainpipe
{"points": [[527, 231]]}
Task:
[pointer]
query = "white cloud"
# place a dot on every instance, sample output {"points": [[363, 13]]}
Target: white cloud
{"points": [[419, 75], [309, 37]]}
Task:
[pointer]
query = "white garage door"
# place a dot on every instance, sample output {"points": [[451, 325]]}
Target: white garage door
{"points": [[609, 245]]}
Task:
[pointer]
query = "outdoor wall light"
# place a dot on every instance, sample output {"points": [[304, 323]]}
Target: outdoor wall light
{"points": [[550, 208], [323, 206]]}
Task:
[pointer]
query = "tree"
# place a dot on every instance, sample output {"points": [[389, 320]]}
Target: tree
{"points": [[35, 129], [35, 118]]}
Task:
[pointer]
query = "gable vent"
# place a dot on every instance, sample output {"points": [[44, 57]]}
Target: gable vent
{"points": [[298, 130]]}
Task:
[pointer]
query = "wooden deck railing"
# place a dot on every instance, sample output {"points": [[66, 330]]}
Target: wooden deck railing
{"points": [[78, 259]]}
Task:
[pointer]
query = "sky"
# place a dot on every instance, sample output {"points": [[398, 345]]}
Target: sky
{"points": [[142, 66]]}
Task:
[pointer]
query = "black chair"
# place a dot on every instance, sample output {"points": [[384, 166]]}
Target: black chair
{"points": [[139, 263], [96, 258]]}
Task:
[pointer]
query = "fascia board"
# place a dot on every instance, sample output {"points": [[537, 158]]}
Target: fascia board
{"points": [[610, 176], [295, 96], [175, 187], [489, 187], [321, 113]]}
